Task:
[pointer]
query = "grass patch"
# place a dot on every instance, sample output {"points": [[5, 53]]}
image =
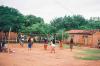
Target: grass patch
{"points": [[65, 46], [90, 54], [89, 57], [92, 51]]}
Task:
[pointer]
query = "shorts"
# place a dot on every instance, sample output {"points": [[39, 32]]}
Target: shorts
{"points": [[29, 45]]}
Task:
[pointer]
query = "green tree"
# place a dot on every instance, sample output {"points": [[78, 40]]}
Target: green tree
{"points": [[31, 19], [61, 35], [10, 18]]}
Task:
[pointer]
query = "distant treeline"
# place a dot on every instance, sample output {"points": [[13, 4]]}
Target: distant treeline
{"points": [[12, 18]]}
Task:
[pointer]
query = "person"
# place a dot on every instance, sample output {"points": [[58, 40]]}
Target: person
{"points": [[45, 43], [3, 42], [61, 43], [52, 47], [53, 41], [71, 44], [30, 42], [18, 37], [21, 39], [99, 44]]}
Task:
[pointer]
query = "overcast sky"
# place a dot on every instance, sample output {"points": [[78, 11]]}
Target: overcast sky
{"points": [[49, 9]]}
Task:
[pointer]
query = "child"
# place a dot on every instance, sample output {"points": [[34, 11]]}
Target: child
{"points": [[71, 44], [52, 47], [61, 43], [30, 42], [45, 44]]}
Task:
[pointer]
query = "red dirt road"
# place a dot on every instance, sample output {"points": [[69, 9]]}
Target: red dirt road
{"points": [[39, 57]]}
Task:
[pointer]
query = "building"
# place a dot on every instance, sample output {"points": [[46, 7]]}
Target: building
{"points": [[85, 37], [11, 37]]}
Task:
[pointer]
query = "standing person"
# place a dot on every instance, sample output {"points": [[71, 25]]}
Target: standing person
{"points": [[61, 43], [3, 42], [99, 44], [52, 47], [30, 42], [54, 41], [71, 44], [45, 43], [19, 39], [22, 40]]}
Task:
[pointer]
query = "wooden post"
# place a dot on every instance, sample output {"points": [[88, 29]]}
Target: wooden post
{"points": [[62, 35], [9, 39]]}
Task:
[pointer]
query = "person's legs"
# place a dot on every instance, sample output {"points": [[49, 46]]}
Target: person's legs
{"points": [[71, 48], [54, 50], [51, 50], [45, 47], [30, 46], [21, 43]]}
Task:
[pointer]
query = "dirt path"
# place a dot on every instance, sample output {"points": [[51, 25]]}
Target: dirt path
{"points": [[39, 57]]}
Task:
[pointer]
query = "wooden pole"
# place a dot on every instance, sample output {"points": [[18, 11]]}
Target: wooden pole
{"points": [[9, 39], [62, 36]]}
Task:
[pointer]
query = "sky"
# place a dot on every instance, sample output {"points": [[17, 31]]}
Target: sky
{"points": [[50, 9]]}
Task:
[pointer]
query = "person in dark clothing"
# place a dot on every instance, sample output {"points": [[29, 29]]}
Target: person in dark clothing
{"points": [[3, 41], [71, 44], [53, 41], [30, 42]]}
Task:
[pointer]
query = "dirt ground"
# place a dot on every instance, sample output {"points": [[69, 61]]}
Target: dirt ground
{"points": [[40, 57]]}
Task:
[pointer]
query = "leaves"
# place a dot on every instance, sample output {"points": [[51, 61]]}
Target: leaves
{"points": [[10, 17]]}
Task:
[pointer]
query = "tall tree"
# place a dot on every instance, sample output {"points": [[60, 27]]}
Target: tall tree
{"points": [[31, 19], [10, 18]]}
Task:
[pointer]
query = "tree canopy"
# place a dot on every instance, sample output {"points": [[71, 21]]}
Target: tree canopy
{"points": [[12, 18]]}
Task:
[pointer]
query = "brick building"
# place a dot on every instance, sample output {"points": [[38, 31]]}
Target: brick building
{"points": [[85, 37], [12, 36]]}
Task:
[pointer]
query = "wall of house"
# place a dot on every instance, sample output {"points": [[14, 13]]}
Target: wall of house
{"points": [[77, 38], [13, 35], [96, 37], [80, 40], [89, 40]]}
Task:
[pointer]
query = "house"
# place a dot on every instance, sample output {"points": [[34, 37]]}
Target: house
{"points": [[11, 37], [85, 37]]}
